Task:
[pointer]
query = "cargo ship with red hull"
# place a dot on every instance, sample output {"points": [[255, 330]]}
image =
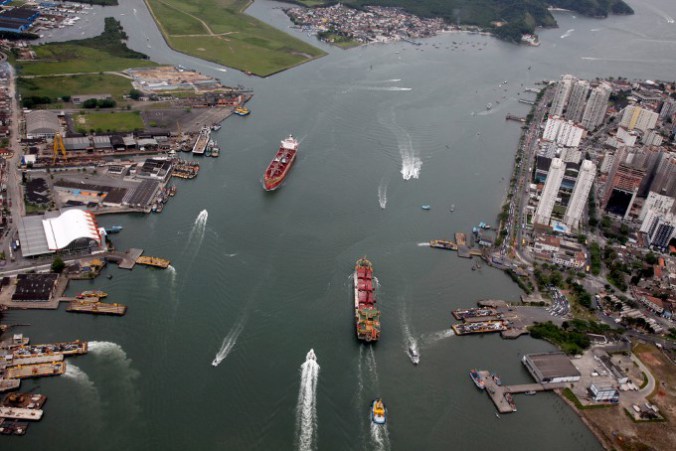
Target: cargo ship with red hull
{"points": [[367, 315], [281, 164]]}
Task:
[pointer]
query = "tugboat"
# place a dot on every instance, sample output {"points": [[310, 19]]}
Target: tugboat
{"points": [[378, 412], [367, 315], [280, 165], [478, 380]]}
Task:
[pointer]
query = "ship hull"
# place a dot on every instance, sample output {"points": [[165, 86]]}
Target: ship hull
{"points": [[366, 314], [273, 183]]}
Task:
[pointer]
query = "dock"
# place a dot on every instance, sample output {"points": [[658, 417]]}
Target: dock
{"points": [[156, 262], [99, 308], [461, 241], [466, 313], [479, 327], [501, 395], [125, 260], [24, 400], [39, 370]]}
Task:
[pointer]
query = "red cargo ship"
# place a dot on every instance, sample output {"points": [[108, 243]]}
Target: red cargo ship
{"points": [[367, 315], [280, 165]]}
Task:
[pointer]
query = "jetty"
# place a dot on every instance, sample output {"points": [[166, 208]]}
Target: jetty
{"points": [[100, 308], [501, 395], [124, 260], [463, 249], [514, 117]]}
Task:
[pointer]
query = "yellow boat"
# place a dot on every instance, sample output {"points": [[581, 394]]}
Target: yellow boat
{"points": [[153, 261], [378, 412], [242, 111]]}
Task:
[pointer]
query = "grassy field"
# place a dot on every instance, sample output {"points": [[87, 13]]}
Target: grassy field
{"points": [[57, 87], [114, 121], [218, 31]]}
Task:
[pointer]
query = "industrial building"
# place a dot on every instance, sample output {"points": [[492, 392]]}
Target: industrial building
{"points": [[34, 287], [71, 230], [42, 124], [551, 368]]}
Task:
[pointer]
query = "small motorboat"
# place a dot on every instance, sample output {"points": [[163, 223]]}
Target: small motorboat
{"points": [[452, 208], [378, 412], [426, 207], [413, 354]]}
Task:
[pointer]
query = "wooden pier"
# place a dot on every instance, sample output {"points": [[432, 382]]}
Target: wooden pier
{"points": [[501, 395], [99, 308]]}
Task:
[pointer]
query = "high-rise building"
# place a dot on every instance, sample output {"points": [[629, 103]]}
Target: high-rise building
{"points": [[664, 181], [577, 101], [668, 109], [635, 117], [656, 202], [652, 138], [565, 133], [550, 192], [578, 200], [563, 88], [624, 179], [659, 229], [597, 105]]}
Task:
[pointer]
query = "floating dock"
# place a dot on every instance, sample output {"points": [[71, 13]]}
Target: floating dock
{"points": [[153, 261], [99, 308], [463, 249], [39, 370], [24, 400], [17, 413]]}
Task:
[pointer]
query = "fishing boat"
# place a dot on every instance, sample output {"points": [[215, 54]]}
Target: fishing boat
{"points": [[414, 355], [378, 412], [367, 315], [242, 111], [280, 165], [215, 152], [478, 380]]}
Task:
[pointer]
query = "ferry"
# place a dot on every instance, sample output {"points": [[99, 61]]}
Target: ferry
{"points": [[378, 412], [444, 244], [478, 380], [367, 315], [242, 111], [280, 165]]}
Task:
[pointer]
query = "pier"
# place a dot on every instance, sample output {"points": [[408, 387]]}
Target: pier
{"points": [[100, 308], [125, 260], [501, 395], [527, 102], [514, 117]]}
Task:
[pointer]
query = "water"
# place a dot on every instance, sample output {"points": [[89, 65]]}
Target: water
{"points": [[282, 260]]}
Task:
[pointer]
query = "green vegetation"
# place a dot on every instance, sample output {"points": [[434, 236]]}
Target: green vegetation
{"points": [[571, 337], [60, 86], [58, 264], [219, 31], [521, 16], [595, 255], [103, 53], [337, 39], [114, 121]]}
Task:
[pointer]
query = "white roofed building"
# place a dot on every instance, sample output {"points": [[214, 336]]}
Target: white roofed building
{"points": [[71, 230]]}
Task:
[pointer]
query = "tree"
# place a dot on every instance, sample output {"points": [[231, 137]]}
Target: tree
{"points": [[58, 265], [651, 258], [135, 94]]}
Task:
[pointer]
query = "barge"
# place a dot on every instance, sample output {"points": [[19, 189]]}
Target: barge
{"points": [[366, 314]]}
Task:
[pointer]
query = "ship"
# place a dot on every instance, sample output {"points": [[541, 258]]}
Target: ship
{"points": [[444, 244], [114, 229], [242, 111], [202, 141], [478, 380], [378, 412], [280, 165], [367, 315]]}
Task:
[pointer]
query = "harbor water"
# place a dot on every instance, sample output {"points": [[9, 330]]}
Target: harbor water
{"points": [[214, 353]]}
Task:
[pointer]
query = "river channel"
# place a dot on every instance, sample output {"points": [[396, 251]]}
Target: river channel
{"points": [[259, 279]]}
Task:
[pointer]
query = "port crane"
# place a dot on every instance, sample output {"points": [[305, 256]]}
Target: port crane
{"points": [[59, 147]]}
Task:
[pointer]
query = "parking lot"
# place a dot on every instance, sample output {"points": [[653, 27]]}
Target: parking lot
{"points": [[560, 305]]}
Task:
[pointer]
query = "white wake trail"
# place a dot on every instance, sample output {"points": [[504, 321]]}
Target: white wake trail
{"points": [[567, 33], [306, 410], [198, 229], [438, 336], [121, 375], [380, 436], [228, 343], [382, 194], [426, 244], [411, 347]]}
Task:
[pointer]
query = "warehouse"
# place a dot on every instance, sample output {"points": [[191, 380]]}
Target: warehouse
{"points": [[72, 230], [551, 368], [42, 124]]}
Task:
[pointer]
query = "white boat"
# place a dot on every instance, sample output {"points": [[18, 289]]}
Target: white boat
{"points": [[413, 354]]}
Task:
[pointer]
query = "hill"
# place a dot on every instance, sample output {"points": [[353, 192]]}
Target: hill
{"points": [[521, 16]]}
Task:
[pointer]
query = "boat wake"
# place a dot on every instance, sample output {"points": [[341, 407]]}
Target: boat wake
{"points": [[90, 394], [425, 244], [382, 194], [198, 229], [438, 336], [380, 436], [228, 343], [411, 347], [662, 14], [385, 88], [172, 275], [121, 375], [306, 410], [567, 33]]}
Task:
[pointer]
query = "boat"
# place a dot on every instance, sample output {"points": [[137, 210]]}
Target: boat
{"points": [[242, 111], [452, 208], [215, 127], [478, 380], [280, 165], [114, 229], [202, 141], [215, 151], [378, 412], [414, 355], [530, 392], [489, 106], [426, 207], [367, 315], [92, 294]]}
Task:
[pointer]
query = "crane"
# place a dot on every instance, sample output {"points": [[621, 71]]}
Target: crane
{"points": [[59, 147]]}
